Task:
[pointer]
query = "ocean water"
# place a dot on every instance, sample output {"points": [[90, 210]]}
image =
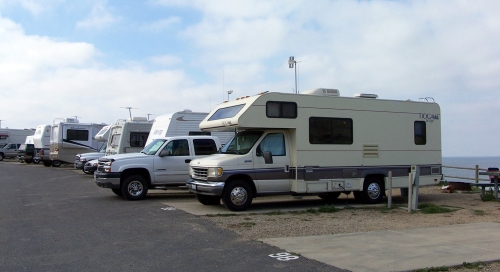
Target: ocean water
{"points": [[484, 163]]}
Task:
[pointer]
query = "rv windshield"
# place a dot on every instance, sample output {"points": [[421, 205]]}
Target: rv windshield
{"points": [[242, 142], [153, 147]]}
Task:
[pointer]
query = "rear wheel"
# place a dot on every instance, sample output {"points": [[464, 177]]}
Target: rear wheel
{"points": [[56, 163], [1, 156], [47, 163], [237, 195], [134, 188], [208, 200], [36, 161], [373, 190]]}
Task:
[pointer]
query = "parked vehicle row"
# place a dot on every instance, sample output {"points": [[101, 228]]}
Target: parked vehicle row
{"points": [[314, 143]]}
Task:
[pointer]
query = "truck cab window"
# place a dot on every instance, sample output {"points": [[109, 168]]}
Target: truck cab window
{"points": [[273, 142], [178, 148]]}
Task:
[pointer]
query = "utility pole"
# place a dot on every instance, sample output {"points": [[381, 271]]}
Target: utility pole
{"points": [[292, 63], [129, 110]]}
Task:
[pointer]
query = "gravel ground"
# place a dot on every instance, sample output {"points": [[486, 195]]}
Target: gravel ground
{"points": [[467, 208]]}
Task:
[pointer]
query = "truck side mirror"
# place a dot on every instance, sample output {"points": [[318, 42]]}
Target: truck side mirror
{"points": [[268, 157], [164, 153]]}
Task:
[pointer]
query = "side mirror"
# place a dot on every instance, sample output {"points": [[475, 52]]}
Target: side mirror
{"points": [[164, 153], [268, 157]]}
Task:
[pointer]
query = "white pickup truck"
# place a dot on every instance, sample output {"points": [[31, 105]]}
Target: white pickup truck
{"points": [[161, 164]]}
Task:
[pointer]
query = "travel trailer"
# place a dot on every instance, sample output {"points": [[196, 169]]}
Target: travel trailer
{"points": [[81, 159], [183, 123], [16, 136], [317, 143], [41, 139], [128, 136], [69, 137]]}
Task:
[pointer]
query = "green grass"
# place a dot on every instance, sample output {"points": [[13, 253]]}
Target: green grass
{"points": [[433, 269], [478, 212], [222, 215]]}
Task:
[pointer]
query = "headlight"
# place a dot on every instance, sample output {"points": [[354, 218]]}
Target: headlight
{"points": [[214, 172]]}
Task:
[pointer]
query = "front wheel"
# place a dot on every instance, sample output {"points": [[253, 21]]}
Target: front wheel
{"points": [[134, 188], [36, 161], [56, 163], [373, 191], [208, 200], [237, 195], [47, 163]]}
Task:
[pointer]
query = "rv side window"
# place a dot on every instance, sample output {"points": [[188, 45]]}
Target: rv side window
{"points": [[197, 133], [138, 139], [274, 142], [420, 133], [77, 135], [281, 109], [115, 140], [204, 146], [224, 113], [323, 130]]}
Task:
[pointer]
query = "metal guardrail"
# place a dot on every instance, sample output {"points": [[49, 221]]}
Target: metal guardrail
{"points": [[476, 170]]}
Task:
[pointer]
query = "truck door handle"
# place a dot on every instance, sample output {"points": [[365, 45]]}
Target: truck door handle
{"points": [[187, 161]]}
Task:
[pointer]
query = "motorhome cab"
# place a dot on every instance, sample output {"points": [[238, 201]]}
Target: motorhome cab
{"points": [[317, 143]]}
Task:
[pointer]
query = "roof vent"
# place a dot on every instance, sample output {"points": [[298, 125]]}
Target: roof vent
{"points": [[366, 95], [71, 120], [323, 92], [138, 119]]}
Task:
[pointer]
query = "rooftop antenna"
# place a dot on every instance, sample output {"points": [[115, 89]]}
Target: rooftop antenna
{"points": [[148, 114], [292, 63], [129, 110], [76, 117]]}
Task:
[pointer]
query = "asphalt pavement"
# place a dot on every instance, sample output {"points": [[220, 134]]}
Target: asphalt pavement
{"points": [[57, 219]]}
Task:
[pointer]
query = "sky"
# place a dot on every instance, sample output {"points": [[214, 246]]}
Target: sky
{"points": [[94, 58]]}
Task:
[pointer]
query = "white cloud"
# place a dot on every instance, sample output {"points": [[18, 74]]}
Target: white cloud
{"points": [[161, 24], [99, 18], [166, 60]]}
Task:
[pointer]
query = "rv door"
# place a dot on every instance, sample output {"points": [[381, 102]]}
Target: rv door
{"points": [[272, 175]]}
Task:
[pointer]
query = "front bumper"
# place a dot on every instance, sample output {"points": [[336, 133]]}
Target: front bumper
{"points": [[107, 180], [204, 187], [90, 168]]}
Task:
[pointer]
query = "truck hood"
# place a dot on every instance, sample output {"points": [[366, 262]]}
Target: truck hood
{"points": [[124, 156], [220, 160]]}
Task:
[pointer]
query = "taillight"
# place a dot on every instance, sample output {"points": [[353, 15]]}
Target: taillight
{"points": [[42, 152]]}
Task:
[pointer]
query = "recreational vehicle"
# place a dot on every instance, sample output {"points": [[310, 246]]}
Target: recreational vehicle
{"points": [[317, 143], [81, 159], [26, 151], [69, 137], [11, 139], [128, 136], [41, 139], [183, 123]]}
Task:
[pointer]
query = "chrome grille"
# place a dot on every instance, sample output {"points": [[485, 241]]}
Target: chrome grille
{"points": [[199, 173]]}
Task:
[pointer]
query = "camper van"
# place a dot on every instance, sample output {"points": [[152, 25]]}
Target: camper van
{"points": [[317, 143], [184, 123], [70, 137], [128, 136], [41, 140], [101, 137]]}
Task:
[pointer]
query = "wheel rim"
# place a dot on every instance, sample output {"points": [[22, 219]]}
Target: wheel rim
{"points": [[135, 188], [373, 190], [239, 196]]}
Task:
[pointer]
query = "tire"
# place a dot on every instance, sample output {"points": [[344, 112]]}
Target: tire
{"points": [[134, 188], [373, 191], [208, 200], [237, 195], [47, 163], [36, 161], [1, 156], [56, 163], [117, 192], [330, 197]]}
